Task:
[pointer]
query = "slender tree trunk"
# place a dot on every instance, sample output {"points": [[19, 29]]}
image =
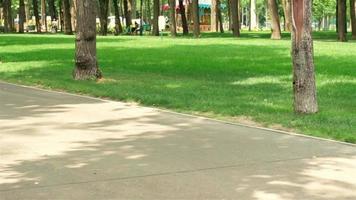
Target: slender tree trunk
{"points": [[235, 18], [73, 8], [43, 15], [213, 16], [184, 17], [172, 17], [341, 29], [37, 16], [196, 21], [67, 18], [353, 18], [305, 100], [155, 30], [86, 64], [127, 11], [253, 16], [276, 27], [229, 13], [287, 15], [61, 17], [118, 26], [219, 16], [104, 8], [22, 16]]}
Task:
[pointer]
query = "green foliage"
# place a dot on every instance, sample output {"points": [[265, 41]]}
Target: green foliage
{"points": [[323, 8], [216, 76]]}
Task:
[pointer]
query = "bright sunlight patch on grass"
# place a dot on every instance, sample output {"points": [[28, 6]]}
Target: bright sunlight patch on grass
{"points": [[216, 76]]}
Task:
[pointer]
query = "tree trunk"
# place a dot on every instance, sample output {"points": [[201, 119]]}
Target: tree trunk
{"points": [[52, 10], [304, 88], [276, 27], [229, 13], [341, 29], [43, 15], [155, 30], [353, 18], [73, 8], [253, 16], [235, 18], [213, 16], [67, 18], [219, 16], [184, 17], [172, 17], [104, 8], [287, 15], [27, 10], [22, 16], [86, 65], [133, 9], [61, 17], [8, 21], [36, 14], [118, 26], [196, 21], [127, 11]]}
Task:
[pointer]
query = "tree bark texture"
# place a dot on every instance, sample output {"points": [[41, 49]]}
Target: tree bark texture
{"points": [[22, 15], [219, 16], [86, 65], [155, 30], [118, 26], [213, 17], [287, 15], [8, 21], [184, 17], [43, 15], [276, 27], [235, 18], [127, 13], [67, 18], [341, 28], [353, 18], [305, 100], [172, 17], [37, 16], [104, 8], [196, 21]]}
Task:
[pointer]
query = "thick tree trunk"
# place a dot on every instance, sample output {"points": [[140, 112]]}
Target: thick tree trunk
{"points": [[235, 18], [155, 30], [43, 15], [104, 8], [184, 17], [213, 16], [127, 12], [341, 29], [305, 100], [8, 21], [52, 10], [133, 9], [253, 16], [276, 27], [86, 65], [37, 16], [287, 14], [22, 16], [172, 17], [219, 16], [353, 18], [196, 21], [118, 26], [67, 18]]}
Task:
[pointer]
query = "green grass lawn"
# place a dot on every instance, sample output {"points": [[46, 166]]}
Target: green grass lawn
{"points": [[245, 79]]}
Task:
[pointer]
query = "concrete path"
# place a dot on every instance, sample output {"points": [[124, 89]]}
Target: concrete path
{"points": [[60, 146]]}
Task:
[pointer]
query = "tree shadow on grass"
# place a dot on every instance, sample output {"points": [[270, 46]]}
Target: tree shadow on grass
{"points": [[227, 80], [108, 150]]}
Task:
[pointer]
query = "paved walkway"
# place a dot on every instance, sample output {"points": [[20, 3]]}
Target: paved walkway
{"points": [[60, 146]]}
